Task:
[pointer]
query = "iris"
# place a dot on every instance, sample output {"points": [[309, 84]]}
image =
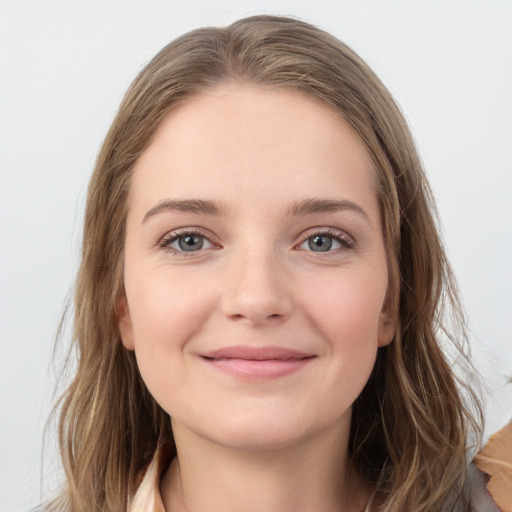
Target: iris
{"points": [[190, 242], [320, 243]]}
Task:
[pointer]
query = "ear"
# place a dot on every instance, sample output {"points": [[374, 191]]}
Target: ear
{"points": [[124, 323], [387, 323]]}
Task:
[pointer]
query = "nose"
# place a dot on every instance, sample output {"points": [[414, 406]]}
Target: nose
{"points": [[257, 290]]}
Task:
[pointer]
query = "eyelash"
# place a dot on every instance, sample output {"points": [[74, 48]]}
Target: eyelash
{"points": [[346, 242], [170, 238]]}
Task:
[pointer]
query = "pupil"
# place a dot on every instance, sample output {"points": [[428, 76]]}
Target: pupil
{"points": [[320, 243], [190, 243]]}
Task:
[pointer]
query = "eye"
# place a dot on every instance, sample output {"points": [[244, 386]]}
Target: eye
{"points": [[327, 241], [322, 243], [185, 241]]}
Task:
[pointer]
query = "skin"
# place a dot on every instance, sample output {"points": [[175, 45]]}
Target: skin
{"points": [[261, 155]]}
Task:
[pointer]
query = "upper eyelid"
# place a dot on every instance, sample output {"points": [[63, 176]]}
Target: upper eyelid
{"points": [[325, 230], [192, 230]]}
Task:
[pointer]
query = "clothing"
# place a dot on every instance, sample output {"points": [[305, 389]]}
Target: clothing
{"points": [[489, 477], [495, 460], [493, 466], [148, 498]]}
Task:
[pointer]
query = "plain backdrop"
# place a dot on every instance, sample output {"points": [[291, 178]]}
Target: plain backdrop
{"points": [[64, 66]]}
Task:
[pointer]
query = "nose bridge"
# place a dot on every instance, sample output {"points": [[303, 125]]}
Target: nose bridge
{"points": [[256, 288]]}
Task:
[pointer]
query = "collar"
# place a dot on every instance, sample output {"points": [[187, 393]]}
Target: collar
{"points": [[147, 497], [494, 465]]}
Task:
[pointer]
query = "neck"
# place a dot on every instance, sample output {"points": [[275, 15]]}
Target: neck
{"points": [[310, 476]]}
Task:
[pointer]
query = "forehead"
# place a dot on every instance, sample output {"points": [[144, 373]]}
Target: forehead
{"points": [[237, 141]]}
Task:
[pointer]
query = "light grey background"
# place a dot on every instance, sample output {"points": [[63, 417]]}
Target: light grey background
{"points": [[64, 66]]}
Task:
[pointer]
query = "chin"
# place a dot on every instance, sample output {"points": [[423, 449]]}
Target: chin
{"points": [[266, 432], [261, 438]]}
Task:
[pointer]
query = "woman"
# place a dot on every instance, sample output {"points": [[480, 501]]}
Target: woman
{"points": [[261, 264]]}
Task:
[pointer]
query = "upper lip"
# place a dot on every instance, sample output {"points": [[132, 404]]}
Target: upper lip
{"points": [[256, 353]]}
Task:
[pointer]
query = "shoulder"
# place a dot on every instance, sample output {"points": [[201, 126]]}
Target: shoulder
{"points": [[494, 465], [476, 492]]}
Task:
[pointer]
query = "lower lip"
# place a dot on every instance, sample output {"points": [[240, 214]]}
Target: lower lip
{"points": [[259, 369]]}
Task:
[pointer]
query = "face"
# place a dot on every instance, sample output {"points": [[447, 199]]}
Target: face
{"points": [[255, 268]]}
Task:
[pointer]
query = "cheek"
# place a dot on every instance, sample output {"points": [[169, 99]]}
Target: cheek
{"points": [[166, 313], [347, 307], [166, 308], [347, 311]]}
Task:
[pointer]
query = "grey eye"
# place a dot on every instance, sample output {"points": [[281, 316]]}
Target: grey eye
{"points": [[190, 242], [320, 243]]}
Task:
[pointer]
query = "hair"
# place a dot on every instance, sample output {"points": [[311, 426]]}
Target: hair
{"points": [[411, 424]]}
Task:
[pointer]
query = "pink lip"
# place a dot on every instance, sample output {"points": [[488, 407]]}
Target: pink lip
{"points": [[257, 362]]}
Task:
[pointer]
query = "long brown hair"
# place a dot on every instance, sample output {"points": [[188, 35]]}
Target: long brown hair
{"points": [[411, 424]]}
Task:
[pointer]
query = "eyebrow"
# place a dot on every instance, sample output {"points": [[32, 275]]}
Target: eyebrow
{"points": [[215, 208], [199, 206], [311, 206]]}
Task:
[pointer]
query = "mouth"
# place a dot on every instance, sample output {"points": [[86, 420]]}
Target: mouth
{"points": [[258, 363]]}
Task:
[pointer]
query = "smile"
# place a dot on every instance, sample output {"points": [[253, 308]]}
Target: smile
{"points": [[257, 362]]}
